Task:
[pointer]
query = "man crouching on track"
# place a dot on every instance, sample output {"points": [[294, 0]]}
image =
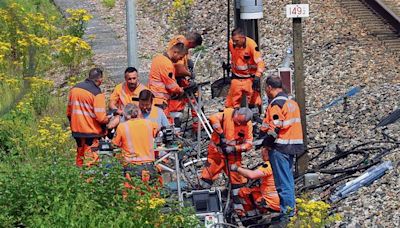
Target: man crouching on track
{"points": [[136, 138], [263, 197], [232, 135]]}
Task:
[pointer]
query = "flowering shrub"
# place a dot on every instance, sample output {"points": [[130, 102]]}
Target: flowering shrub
{"points": [[19, 126], [25, 39], [30, 40], [77, 21], [180, 13], [51, 137], [9, 88], [40, 93], [312, 213], [51, 193], [72, 51]]}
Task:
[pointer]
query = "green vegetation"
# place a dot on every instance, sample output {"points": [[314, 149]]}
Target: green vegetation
{"points": [[39, 185], [312, 213], [108, 3], [179, 14]]}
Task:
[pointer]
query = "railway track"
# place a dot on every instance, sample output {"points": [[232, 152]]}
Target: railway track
{"points": [[379, 19]]}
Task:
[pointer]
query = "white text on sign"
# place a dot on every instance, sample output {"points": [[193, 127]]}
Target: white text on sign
{"points": [[297, 10]]}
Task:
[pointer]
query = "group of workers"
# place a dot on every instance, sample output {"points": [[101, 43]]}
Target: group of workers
{"points": [[140, 111]]}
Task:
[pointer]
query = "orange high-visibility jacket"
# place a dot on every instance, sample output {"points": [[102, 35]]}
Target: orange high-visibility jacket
{"points": [[162, 79], [239, 136], [284, 113], [179, 39], [136, 138], [123, 96], [246, 61], [86, 110], [267, 188]]}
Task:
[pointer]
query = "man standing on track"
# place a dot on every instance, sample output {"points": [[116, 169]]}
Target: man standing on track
{"points": [[247, 67], [162, 82], [86, 112], [284, 135]]}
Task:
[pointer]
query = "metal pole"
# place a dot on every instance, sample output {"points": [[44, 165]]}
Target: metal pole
{"points": [[249, 27], [178, 177], [131, 33], [302, 160], [228, 33]]}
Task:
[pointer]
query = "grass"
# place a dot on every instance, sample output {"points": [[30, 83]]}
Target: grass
{"points": [[108, 3]]}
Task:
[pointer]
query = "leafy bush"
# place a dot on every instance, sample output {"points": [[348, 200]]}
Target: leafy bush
{"points": [[54, 194]]}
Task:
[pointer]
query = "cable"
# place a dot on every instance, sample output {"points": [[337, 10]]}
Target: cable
{"points": [[360, 165]]}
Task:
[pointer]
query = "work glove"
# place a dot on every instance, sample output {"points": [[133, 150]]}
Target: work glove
{"points": [[256, 84], [191, 69], [269, 141], [229, 149], [234, 167], [222, 139]]}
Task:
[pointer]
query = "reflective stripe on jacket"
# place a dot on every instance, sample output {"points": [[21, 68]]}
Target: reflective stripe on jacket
{"points": [[239, 136], [246, 61], [123, 96], [284, 113], [136, 138], [86, 110], [162, 81]]}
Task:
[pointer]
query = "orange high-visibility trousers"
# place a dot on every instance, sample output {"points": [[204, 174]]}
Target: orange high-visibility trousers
{"points": [[216, 163], [237, 89], [260, 202], [87, 151], [255, 99]]}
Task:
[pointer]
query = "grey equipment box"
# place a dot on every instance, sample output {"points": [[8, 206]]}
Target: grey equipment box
{"points": [[207, 203]]}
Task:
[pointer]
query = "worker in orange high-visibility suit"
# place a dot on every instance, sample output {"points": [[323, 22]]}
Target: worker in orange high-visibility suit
{"points": [[150, 111], [184, 74], [135, 137], [162, 82], [86, 112], [126, 92], [284, 135], [260, 198], [247, 67], [233, 135], [123, 94]]}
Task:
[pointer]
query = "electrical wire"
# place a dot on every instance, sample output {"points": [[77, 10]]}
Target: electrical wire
{"points": [[349, 171]]}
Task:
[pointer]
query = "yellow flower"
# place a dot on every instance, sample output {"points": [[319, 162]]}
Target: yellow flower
{"points": [[156, 202], [316, 220]]}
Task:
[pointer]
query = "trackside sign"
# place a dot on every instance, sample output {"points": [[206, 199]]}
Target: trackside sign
{"points": [[297, 10]]}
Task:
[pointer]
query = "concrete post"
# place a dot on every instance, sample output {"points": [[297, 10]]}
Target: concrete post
{"points": [[131, 33], [302, 161]]}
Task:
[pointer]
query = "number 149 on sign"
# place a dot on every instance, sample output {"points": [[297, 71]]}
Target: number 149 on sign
{"points": [[297, 10]]}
